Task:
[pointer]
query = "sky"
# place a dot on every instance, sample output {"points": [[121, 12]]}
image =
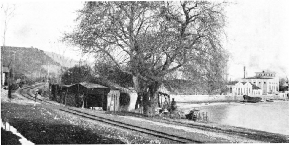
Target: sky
{"points": [[256, 32]]}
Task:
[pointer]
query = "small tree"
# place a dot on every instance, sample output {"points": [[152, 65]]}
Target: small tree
{"points": [[283, 84]]}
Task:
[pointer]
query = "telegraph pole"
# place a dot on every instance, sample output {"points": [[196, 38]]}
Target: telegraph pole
{"points": [[13, 65]]}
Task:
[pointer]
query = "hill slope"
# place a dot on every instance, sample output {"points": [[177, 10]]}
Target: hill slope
{"points": [[32, 62], [63, 61]]}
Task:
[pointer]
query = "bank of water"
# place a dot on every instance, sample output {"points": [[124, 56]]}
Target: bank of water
{"points": [[266, 116]]}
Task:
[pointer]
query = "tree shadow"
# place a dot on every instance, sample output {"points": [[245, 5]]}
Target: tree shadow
{"points": [[8, 138], [40, 132]]}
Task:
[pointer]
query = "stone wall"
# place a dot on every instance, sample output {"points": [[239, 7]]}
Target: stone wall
{"points": [[221, 98]]}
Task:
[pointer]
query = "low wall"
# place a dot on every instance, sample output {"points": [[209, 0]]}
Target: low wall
{"points": [[205, 98], [221, 98]]}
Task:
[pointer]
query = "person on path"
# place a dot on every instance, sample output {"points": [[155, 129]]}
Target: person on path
{"points": [[35, 97], [173, 105]]}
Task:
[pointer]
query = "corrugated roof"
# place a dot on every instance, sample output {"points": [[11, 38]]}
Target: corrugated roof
{"points": [[115, 86], [67, 86], [92, 86]]}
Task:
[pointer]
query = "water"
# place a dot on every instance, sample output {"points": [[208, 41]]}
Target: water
{"points": [[266, 116]]}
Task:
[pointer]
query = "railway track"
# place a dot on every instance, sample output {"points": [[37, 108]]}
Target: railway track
{"points": [[268, 137], [26, 92]]}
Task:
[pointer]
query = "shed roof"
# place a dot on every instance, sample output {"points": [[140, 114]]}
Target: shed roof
{"points": [[115, 86], [92, 86], [67, 86]]}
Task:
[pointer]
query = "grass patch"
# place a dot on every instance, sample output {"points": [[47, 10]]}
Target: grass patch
{"points": [[38, 126]]}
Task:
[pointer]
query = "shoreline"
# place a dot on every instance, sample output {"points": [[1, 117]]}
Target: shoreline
{"points": [[223, 101]]}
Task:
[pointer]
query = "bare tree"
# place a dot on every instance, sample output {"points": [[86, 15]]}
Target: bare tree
{"points": [[152, 38]]}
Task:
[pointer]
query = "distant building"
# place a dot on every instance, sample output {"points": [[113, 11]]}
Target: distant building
{"points": [[243, 88], [267, 81]]}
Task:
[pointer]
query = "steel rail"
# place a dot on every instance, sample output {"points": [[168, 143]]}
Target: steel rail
{"points": [[152, 132], [269, 136]]}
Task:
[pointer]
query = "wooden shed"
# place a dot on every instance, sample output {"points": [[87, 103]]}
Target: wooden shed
{"points": [[87, 95]]}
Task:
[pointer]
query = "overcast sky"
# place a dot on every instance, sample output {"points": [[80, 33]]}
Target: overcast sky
{"points": [[257, 32]]}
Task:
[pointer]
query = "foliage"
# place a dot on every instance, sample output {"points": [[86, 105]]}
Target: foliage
{"points": [[153, 39], [283, 84], [76, 74], [108, 71]]}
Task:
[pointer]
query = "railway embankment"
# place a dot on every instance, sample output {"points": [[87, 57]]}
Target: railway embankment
{"points": [[46, 124], [42, 124]]}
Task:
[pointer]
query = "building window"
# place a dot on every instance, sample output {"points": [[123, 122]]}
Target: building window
{"points": [[264, 82]]}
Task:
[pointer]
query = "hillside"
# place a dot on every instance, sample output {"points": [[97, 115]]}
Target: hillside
{"points": [[32, 62], [63, 61]]}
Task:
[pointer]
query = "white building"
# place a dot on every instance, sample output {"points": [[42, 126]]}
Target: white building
{"points": [[267, 81], [244, 88]]}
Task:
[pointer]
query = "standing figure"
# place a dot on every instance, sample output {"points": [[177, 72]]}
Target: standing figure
{"points": [[173, 105], [35, 97]]}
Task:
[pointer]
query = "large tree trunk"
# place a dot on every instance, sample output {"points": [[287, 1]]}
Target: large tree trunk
{"points": [[153, 91], [148, 94], [140, 92], [143, 94], [151, 99]]}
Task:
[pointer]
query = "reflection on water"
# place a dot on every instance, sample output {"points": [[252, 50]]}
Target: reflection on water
{"points": [[265, 116]]}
